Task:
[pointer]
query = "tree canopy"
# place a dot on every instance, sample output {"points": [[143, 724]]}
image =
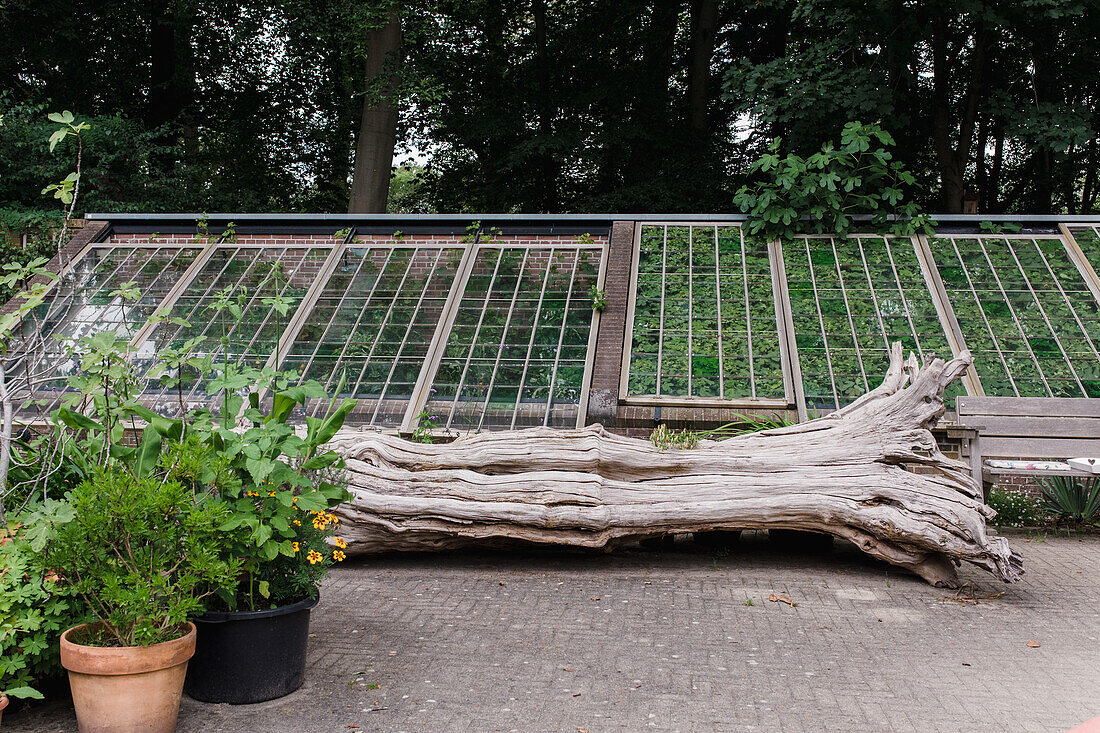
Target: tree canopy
{"points": [[554, 106]]}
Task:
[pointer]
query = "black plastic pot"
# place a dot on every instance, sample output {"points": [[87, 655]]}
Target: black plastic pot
{"points": [[249, 656]]}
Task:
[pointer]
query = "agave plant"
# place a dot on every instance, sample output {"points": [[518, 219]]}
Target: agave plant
{"points": [[1072, 498]]}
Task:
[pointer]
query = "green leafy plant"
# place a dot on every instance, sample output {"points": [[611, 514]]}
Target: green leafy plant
{"points": [[822, 193], [751, 423], [425, 428], [665, 439], [1007, 227], [1016, 508], [34, 609], [68, 188], [140, 551], [279, 486], [98, 421], [599, 299], [1072, 499]]}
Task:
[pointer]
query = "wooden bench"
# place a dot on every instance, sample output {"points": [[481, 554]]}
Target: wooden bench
{"points": [[1039, 428]]}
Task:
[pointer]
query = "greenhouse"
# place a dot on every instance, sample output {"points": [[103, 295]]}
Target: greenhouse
{"points": [[506, 322]]}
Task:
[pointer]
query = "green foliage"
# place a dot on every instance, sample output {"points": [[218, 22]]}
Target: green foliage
{"points": [[821, 194], [279, 486], [1007, 227], [108, 389], [745, 424], [1016, 508], [1072, 499], [409, 190], [425, 428], [505, 117], [599, 299], [142, 552], [34, 609], [665, 439]]}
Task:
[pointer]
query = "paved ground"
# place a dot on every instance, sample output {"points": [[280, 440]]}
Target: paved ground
{"points": [[670, 641]]}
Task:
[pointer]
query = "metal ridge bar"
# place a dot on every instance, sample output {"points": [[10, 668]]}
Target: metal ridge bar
{"points": [[502, 217], [432, 357], [949, 322]]}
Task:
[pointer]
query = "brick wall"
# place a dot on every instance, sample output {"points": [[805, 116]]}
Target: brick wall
{"points": [[603, 396]]}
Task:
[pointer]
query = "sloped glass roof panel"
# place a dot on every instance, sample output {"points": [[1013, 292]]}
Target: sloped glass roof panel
{"points": [[1025, 312], [372, 324], [515, 355], [851, 298], [246, 281], [89, 299]]}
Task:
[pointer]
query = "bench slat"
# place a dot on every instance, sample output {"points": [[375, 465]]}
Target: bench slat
{"points": [[970, 407], [990, 426], [1060, 448]]}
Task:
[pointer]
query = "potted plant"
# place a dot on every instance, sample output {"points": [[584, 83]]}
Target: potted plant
{"points": [[141, 551], [280, 487]]}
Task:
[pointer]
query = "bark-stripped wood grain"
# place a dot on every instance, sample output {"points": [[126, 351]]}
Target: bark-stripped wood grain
{"points": [[849, 474]]}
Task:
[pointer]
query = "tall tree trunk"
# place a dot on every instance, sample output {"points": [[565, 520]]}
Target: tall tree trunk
{"points": [[171, 75], [952, 159], [370, 181], [548, 167], [651, 102], [704, 25]]}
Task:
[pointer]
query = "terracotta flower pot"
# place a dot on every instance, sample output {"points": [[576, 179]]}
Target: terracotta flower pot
{"points": [[3, 704], [127, 689]]}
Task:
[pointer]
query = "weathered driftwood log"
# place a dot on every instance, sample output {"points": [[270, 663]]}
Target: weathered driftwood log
{"points": [[870, 473]]}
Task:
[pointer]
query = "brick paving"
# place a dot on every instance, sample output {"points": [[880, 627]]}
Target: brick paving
{"points": [[667, 640]]}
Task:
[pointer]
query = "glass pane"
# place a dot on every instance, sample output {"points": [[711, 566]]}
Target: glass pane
{"points": [[516, 355], [704, 316], [851, 299], [372, 325], [113, 288], [1025, 312], [247, 282]]}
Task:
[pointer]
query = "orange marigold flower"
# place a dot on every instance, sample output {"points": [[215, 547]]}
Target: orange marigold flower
{"points": [[338, 556], [314, 557], [339, 542], [294, 546], [297, 523]]}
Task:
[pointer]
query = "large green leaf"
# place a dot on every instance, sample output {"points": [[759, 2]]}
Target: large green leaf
{"points": [[77, 420], [321, 431], [168, 428], [148, 451]]}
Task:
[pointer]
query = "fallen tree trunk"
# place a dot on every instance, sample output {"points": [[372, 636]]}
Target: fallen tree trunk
{"points": [[870, 473]]}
